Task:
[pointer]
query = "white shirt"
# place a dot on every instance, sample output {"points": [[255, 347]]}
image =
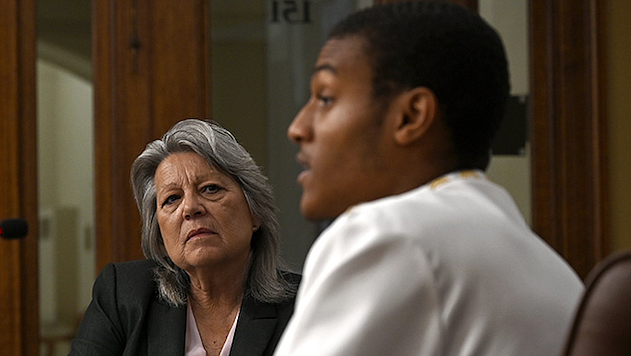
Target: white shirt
{"points": [[193, 344], [447, 269]]}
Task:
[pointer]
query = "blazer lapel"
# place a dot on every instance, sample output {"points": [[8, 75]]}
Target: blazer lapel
{"points": [[255, 327], [166, 330]]}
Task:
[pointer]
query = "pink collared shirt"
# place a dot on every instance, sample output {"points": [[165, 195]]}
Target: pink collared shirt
{"points": [[194, 346]]}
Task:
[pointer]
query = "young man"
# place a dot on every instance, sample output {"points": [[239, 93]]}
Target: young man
{"points": [[426, 255]]}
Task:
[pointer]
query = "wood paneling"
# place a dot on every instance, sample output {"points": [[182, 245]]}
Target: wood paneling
{"points": [[568, 129], [19, 314], [151, 69]]}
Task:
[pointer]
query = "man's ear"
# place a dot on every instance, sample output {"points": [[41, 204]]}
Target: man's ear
{"points": [[419, 109]]}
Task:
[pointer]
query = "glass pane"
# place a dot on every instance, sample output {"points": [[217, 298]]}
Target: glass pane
{"points": [[65, 169], [262, 55], [510, 165]]}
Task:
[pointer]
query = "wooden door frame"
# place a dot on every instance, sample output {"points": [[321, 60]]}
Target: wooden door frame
{"points": [[19, 324], [151, 69], [568, 129]]}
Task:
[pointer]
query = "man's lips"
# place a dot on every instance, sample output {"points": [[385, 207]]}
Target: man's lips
{"points": [[198, 232], [303, 161]]}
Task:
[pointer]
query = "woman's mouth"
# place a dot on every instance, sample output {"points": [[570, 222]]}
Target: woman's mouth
{"points": [[199, 232]]}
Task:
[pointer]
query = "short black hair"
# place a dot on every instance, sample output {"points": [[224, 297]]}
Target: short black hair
{"points": [[448, 49]]}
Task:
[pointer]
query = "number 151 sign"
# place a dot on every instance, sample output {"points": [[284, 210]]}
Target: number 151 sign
{"points": [[291, 11]]}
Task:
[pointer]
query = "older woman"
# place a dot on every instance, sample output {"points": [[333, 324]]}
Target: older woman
{"points": [[212, 283]]}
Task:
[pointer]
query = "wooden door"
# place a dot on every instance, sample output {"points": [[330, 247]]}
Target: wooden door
{"points": [[19, 314], [568, 129]]}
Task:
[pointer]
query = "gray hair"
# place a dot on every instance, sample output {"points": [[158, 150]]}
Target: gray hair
{"points": [[221, 150]]}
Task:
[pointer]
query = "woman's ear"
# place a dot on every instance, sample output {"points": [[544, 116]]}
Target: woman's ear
{"points": [[419, 109]]}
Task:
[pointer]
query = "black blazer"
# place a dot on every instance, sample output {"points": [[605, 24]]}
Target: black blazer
{"points": [[126, 317]]}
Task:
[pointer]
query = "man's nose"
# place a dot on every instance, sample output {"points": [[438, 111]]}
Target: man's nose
{"points": [[300, 128]]}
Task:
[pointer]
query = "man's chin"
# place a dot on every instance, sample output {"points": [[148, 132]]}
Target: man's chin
{"points": [[317, 214]]}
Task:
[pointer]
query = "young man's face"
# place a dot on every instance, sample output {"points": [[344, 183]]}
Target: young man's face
{"points": [[340, 131]]}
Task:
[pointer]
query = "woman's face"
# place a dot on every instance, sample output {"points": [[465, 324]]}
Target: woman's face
{"points": [[203, 216]]}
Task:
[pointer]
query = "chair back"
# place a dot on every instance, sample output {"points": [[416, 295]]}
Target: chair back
{"points": [[602, 325]]}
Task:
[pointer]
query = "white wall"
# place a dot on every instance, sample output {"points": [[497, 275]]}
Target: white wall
{"points": [[618, 80]]}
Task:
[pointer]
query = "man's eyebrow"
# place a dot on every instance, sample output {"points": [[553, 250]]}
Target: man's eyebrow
{"points": [[323, 67]]}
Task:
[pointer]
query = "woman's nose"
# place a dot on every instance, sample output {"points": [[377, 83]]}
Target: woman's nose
{"points": [[193, 207]]}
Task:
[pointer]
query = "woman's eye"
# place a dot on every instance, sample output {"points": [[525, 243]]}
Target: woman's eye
{"points": [[170, 200], [211, 188]]}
